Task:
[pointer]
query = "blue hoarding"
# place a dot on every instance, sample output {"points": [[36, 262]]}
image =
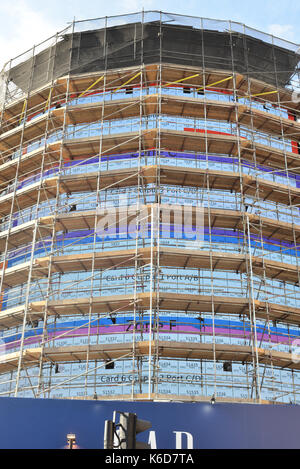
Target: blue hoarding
{"points": [[44, 423]]}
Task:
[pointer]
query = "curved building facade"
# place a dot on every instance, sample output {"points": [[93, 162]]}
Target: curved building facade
{"points": [[150, 225]]}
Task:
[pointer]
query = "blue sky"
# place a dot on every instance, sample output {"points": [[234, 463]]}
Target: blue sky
{"points": [[27, 22]]}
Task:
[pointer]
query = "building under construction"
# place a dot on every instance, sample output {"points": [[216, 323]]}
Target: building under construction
{"points": [[150, 191]]}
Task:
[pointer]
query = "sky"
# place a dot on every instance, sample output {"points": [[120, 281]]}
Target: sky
{"points": [[24, 23]]}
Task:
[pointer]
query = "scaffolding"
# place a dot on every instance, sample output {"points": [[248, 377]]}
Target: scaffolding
{"points": [[149, 205]]}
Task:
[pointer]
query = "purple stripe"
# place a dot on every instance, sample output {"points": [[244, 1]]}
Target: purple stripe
{"points": [[184, 329]]}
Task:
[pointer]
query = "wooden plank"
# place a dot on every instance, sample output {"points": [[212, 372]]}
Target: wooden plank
{"points": [[171, 175], [189, 303], [170, 140], [165, 349], [114, 78], [168, 257], [171, 105], [85, 220]]}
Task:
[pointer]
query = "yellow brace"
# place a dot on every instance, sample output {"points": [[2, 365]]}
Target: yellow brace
{"points": [[260, 94], [128, 81], [179, 81], [91, 86], [48, 100], [216, 83], [23, 109]]}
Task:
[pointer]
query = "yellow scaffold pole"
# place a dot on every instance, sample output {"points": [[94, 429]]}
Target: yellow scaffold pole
{"points": [[91, 86], [259, 94], [126, 83], [48, 99], [181, 80], [23, 109], [215, 83]]}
